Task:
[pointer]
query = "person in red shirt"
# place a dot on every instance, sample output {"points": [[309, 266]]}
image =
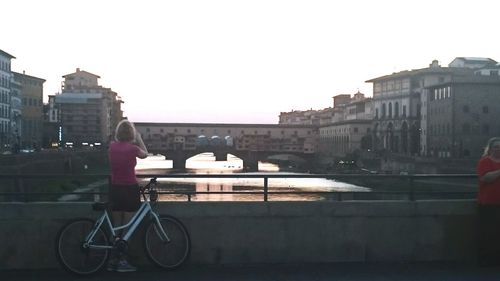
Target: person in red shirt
{"points": [[488, 171], [124, 193]]}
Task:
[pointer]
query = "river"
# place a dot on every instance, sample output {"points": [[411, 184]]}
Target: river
{"points": [[205, 164]]}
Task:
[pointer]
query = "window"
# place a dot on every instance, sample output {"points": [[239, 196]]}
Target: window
{"points": [[485, 109], [465, 109], [486, 129], [404, 110]]}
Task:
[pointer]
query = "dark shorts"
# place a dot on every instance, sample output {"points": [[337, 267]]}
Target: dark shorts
{"points": [[125, 198], [489, 231]]}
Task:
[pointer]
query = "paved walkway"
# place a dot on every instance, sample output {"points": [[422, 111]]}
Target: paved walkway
{"points": [[280, 272]]}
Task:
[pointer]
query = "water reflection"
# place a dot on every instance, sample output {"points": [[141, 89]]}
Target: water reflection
{"points": [[211, 188]]}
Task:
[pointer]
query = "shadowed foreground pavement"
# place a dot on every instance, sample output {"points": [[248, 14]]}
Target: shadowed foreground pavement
{"points": [[285, 272]]}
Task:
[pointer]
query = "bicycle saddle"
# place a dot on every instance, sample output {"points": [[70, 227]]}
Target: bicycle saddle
{"points": [[100, 206]]}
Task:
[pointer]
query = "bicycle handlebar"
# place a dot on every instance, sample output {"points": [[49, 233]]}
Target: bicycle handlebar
{"points": [[147, 187]]}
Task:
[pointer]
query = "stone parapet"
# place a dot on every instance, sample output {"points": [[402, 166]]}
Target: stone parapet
{"points": [[269, 232]]}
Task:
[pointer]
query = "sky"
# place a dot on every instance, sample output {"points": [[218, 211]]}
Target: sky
{"points": [[239, 61]]}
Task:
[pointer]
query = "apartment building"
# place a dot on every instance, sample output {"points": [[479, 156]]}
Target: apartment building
{"points": [[87, 112], [31, 116], [5, 93], [15, 112], [461, 115]]}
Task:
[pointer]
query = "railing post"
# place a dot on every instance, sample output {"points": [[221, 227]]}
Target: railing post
{"points": [[109, 188], [265, 188], [411, 195], [97, 196]]}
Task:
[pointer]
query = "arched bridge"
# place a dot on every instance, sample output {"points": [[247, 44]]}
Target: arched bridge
{"points": [[250, 142]]}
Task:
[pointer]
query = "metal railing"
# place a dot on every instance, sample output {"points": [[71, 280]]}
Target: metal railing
{"points": [[26, 188]]}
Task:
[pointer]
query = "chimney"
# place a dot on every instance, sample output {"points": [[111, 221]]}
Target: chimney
{"points": [[434, 64], [77, 69]]}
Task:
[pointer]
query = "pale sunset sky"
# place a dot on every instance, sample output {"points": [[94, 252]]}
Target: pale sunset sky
{"points": [[239, 61]]}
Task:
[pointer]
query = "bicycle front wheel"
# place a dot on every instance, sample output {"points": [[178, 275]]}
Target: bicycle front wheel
{"points": [[72, 254], [167, 254]]}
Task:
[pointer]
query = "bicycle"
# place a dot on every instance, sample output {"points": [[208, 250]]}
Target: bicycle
{"points": [[83, 245]]}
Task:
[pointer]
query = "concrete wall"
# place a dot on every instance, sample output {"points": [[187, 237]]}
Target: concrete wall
{"points": [[269, 232]]}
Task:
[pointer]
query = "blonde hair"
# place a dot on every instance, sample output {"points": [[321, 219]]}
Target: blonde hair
{"points": [[125, 131], [489, 145]]}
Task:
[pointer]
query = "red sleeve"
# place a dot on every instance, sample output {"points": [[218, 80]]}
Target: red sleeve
{"points": [[484, 166]]}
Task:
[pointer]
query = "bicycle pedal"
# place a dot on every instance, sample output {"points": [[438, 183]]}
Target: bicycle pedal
{"points": [[121, 245]]}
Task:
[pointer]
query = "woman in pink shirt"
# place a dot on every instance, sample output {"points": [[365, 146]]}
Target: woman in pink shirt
{"points": [[124, 194]]}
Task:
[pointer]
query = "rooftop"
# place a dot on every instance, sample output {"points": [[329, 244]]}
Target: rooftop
{"points": [[5, 54]]}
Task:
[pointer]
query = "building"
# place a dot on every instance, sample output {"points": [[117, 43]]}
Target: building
{"points": [[320, 117], [244, 137], [350, 126], [31, 96], [398, 105], [489, 70], [51, 124], [88, 113], [5, 93], [437, 111], [471, 62], [461, 115], [300, 117], [15, 112]]}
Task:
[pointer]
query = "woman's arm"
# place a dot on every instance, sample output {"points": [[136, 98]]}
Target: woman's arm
{"points": [[490, 177], [143, 151]]}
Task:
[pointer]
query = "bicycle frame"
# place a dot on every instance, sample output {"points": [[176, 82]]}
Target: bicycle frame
{"points": [[131, 226]]}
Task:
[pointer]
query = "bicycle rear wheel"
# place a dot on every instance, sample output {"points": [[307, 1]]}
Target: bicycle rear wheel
{"points": [[171, 254], [71, 253]]}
